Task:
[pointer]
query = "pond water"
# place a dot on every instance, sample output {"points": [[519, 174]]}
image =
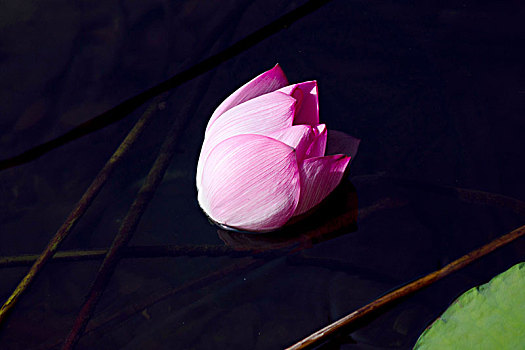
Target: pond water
{"points": [[435, 92]]}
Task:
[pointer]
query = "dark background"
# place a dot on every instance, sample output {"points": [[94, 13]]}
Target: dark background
{"points": [[435, 91]]}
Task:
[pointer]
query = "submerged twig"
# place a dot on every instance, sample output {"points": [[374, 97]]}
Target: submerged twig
{"points": [[80, 208], [71, 255], [330, 330], [128, 252], [159, 251]]}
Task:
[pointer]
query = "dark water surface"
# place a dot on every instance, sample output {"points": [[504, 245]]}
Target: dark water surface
{"points": [[435, 91]]}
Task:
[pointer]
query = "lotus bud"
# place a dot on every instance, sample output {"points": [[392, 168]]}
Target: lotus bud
{"points": [[263, 159]]}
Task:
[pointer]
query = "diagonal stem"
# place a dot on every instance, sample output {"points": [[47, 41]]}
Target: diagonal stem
{"points": [[150, 252], [80, 208], [332, 329]]}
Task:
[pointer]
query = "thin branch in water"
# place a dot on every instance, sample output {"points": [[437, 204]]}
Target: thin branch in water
{"points": [[492, 199], [71, 255], [336, 327], [80, 208], [125, 108], [159, 251]]}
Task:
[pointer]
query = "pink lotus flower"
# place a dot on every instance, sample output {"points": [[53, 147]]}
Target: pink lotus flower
{"points": [[263, 157]]}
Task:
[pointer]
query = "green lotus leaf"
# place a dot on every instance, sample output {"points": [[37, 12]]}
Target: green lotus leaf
{"points": [[490, 316]]}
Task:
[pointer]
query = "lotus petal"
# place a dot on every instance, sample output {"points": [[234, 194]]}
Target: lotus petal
{"points": [[319, 177], [268, 81], [299, 137], [250, 182], [318, 146], [308, 102], [262, 115]]}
